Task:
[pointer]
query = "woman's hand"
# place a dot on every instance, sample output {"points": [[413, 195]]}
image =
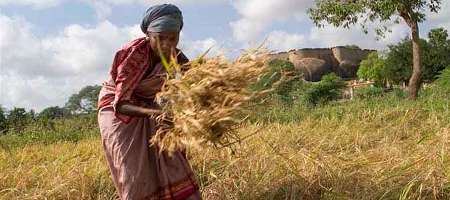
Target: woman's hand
{"points": [[129, 109], [153, 112], [165, 120]]}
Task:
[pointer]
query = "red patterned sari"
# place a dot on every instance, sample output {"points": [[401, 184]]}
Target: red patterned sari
{"points": [[139, 171]]}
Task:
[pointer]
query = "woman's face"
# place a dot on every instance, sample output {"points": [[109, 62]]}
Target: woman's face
{"points": [[167, 41]]}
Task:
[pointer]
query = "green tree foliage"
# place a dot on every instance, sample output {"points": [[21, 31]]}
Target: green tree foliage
{"points": [[31, 115], [328, 89], [53, 113], [399, 61], [291, 83], [373, 68], [439, 38], [435, 56], [352, 46], [443, 80], [85, 101], [17, 119], [438, 55], [3, 120], [346, 13], [369, 92]]}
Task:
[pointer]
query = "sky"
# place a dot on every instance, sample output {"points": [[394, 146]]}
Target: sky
{"points": [[50, 49]]}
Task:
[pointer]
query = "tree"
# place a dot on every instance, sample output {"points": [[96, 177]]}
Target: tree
{"points": [[53, 113], [326, 90], [439, 38], [435, 57], [373, 68], [287, 79], [17, 119], [399, 60], [31, 115], [3, 121], [348, 12], [438, 55], [85, 101], [443, 81], [353, 46]]}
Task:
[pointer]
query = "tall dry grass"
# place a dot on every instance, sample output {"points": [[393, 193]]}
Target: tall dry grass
{"points": [[379, 148], [64, 170], [397, 154]]}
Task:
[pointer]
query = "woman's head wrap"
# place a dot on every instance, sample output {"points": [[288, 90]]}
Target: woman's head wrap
{"points": [[162, 18]]}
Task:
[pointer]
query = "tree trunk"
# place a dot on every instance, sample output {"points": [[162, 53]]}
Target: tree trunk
{"points": [[415, 80]]}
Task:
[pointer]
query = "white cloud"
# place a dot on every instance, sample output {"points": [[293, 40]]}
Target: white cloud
{"points": [[82, 49], [51, 3], [442, 19], [37, 72], [257, 15], [330, 36], [38, 4], [182, 2], [282, 41], [40, 72], [246, 29], [149, 2], [73, 51], [31, 93], [443, 14], [103, 8], [192, 49], [18, 45]]}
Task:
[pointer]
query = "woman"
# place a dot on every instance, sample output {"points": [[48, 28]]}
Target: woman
{"points": [[126, 103]]}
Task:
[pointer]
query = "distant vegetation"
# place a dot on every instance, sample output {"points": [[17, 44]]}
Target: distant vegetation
{"points": [[82, 103], [411, 12], [394, 66]]}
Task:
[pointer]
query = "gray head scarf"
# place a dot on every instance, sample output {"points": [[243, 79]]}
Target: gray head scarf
{"points": [[162, 18]]}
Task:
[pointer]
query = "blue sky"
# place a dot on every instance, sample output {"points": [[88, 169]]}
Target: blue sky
{"points": [[54, 19], [49, 49]]}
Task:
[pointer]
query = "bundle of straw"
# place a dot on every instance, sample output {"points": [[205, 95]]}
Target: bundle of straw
{"points": [[204, 103]]}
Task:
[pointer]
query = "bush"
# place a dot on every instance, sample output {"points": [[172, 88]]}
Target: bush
{"points": [[399, 93], [287, 89], [50, 131], [328, 89], [443, 80], [369, 92], [434, 57], [373, 68]]}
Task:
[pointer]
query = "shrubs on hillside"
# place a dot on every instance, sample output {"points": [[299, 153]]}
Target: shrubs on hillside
{"points": [[52, 131], [443, 80], [373, 68], [395, 66], [369, 92], [295, 90], [328, 89], [292, 80]]}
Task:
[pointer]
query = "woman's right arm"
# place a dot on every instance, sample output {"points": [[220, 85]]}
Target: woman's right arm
{"points": [[129, 109]]}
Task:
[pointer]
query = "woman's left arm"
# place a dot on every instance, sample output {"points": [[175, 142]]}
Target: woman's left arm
{"points": [[129, 109]]}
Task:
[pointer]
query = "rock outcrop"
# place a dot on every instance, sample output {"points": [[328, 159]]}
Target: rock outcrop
{"points": [[314, 63]]}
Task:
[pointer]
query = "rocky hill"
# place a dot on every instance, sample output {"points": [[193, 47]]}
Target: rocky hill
{"points": [[314, 63]]}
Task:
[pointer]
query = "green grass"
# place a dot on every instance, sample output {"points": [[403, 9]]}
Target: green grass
{"points": [[52, 131], [384, 147]]}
